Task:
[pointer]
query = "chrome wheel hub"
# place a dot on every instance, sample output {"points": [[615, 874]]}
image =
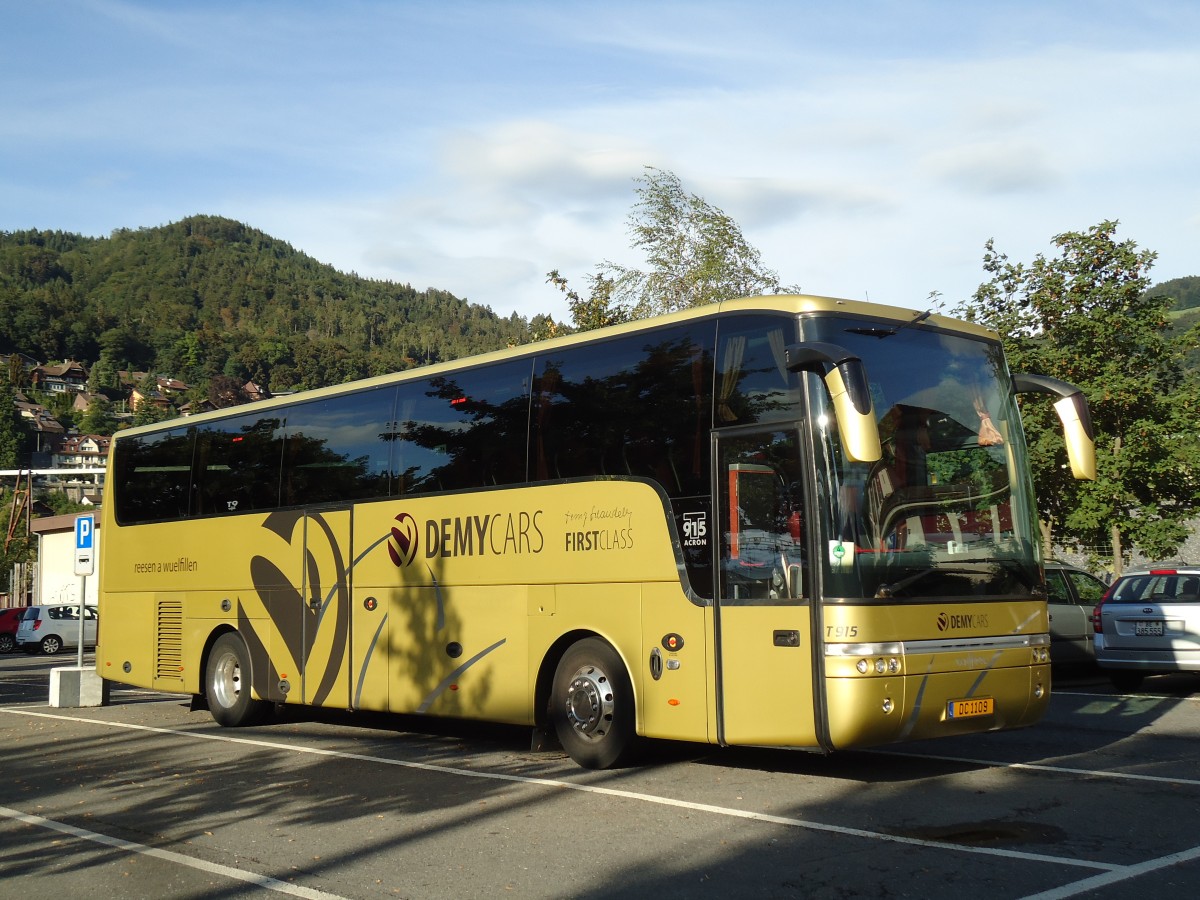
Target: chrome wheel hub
{"points": [[227, 681], [589, 703]]}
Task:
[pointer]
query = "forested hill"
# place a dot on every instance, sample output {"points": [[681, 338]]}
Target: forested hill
{"points": [[208, 296], [1185, 292]]}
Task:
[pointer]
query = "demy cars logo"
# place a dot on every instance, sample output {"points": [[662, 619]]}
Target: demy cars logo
{"points": [[946, 621], [402, 547]]}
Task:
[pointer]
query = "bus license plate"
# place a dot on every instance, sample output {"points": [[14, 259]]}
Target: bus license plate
{"points": [[1148, 629], [965, 709]]}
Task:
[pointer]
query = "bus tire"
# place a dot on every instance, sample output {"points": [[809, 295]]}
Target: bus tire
{"points": [[592, 707], [227, 681]]}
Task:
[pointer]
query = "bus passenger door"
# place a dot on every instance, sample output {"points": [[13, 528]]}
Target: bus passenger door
{"points": [[765, 686], [326, 591]]}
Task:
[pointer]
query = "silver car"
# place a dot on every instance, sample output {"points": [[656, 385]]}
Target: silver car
{"points": [[1072, 594], [1149, 623], [54, 628]]}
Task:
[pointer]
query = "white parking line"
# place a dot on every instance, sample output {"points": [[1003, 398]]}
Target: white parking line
{"points": [[595, 789], [1116, 876], [1140, 695], [1041, 767], [263, 881]]}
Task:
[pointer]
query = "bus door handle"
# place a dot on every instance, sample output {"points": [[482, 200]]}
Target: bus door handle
{"points": [[789, 638]]}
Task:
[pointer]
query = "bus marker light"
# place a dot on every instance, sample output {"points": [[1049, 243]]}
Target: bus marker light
{"points": [[672, 702], [863, 667]]}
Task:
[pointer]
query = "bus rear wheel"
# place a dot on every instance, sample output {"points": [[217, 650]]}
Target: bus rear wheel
{"points": [[227, 681], [591, 705]]}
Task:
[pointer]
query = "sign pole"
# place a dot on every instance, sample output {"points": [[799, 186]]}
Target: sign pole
{"points": [[82, 612], [85, 565], [77, 686]]}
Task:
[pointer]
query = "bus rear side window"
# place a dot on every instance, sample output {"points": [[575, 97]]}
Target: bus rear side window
{"points": [[153, 475], [237, 466]]}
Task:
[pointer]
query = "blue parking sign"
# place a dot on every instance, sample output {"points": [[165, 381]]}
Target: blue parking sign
{"points": [[85, 545]]}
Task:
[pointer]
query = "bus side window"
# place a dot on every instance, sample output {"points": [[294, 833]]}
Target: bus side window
{"points": [[762, 540]]}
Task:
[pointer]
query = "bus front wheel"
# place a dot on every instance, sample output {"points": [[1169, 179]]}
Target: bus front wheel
{"points": [[227, 680], [591, 705]]}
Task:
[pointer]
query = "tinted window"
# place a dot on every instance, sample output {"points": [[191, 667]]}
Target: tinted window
{"points": [[631, 406], [463, 430], [153, 476], [237, 465], [339, 448], [1157, 588], [1056, 587], [753, 383]]}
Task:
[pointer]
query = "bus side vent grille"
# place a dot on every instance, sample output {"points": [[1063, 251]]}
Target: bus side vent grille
{"points": [[168, 649]]}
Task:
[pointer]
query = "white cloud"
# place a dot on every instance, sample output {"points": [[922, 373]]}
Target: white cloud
{"points": [[997, 167]]}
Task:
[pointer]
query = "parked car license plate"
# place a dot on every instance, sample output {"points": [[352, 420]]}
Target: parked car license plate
{"points": [[965, 709], [1148, 629]]}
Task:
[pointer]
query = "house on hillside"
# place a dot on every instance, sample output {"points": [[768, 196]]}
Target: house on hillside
{"points": [[60, 378], [47, 428], [77, 451], [164, 393], [256, 391], [138, 397], [199, 406]]}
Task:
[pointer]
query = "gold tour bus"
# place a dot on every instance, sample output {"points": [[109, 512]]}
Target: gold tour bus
{"points": [[785, 521]]}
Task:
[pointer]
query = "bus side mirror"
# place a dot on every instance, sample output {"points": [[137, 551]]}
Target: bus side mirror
{"points": [[1076, 418], [849, 391]]}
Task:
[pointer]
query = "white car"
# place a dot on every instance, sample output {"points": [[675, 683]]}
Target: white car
{"points": [[54, 628], [1149, 623]]}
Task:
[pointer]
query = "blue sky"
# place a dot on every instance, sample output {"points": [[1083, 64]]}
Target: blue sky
{"points": [[867, 149]]}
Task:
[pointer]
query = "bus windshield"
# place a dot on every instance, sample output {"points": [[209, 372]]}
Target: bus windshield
{"points": [[948, 510]]}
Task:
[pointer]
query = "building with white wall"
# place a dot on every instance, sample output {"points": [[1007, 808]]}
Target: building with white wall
{"points": [[55, 580]]}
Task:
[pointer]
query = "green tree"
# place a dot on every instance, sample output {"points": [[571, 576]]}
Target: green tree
{"points": [[594, 311], [104, 373], [11, 431], [18, 377], [18, 549], [99, 417], [696, 254], [1085, 316]]}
